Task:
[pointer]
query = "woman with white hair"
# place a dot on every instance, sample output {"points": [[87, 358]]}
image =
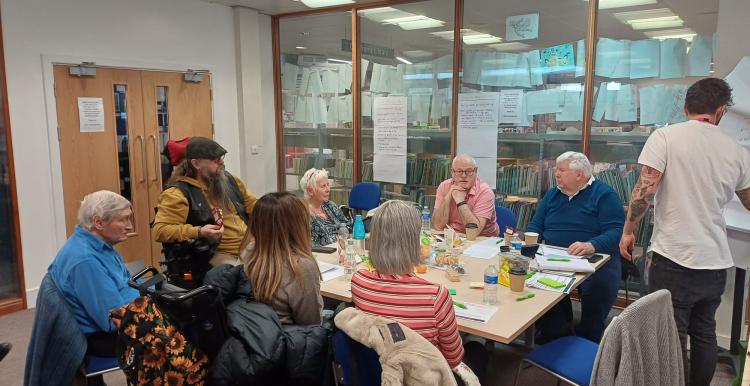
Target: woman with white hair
{"points": [[394, 291], [91, 274], [585, 216], [325, 215]]}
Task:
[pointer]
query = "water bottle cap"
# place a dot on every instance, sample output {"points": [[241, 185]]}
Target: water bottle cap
{"points": [[358, 217]]}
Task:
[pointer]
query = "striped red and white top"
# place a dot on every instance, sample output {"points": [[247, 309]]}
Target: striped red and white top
{"points": [[425, 307]]}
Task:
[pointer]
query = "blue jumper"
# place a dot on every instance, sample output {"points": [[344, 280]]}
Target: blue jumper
{"points": [[93, 279], [594, 215]]}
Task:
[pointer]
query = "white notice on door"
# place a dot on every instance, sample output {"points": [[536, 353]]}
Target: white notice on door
{"points": [[91, 114]]}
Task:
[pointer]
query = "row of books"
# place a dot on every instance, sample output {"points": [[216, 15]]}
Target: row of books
{"points": [[342, 168], [340, 196], [621, 182], [518, 180], [427, 171]]}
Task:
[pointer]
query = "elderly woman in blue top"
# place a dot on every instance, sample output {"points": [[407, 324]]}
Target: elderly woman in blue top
{"points": [[325, 215], [90, 273], [586, 216]]}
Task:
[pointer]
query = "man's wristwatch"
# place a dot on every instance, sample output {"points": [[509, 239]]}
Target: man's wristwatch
{"points": [[458, 205]]}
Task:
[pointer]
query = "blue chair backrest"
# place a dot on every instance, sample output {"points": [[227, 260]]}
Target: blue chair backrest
{"points": [[505, 218], [349, 353], [364, 196]]}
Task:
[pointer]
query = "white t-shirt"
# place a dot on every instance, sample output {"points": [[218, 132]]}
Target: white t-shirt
{"points": [[702, 168]]}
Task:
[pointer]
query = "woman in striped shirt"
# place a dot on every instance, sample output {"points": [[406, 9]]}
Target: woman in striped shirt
{"points": [[394, 291]]}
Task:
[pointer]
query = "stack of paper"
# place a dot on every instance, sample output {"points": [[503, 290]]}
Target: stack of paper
{"points": [[475, 312], [566, 282], [558, 263]]}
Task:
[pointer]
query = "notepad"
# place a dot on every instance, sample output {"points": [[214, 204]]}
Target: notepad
{"points": [[330, 271], [573, 265], [549, 282], [475, 312]]}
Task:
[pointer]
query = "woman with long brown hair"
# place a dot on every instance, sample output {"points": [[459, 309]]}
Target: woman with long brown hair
{"points": [[279, 265]]}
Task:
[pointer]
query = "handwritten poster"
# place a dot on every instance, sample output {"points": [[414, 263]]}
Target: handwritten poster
{"points": [[522, 27], [389, 139], [511, 106], [558, 58], [478, 110], [91, 114], [477, 131]]}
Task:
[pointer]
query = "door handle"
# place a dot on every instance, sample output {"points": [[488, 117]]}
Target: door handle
{"points": [[143, 159], [157, 160]]}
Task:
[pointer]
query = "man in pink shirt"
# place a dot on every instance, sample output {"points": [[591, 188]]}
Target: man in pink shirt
{"points": [[464, 202]]}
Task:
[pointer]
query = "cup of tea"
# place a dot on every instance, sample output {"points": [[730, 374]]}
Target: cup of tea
{"points": [[531, 237], [517, 279]]}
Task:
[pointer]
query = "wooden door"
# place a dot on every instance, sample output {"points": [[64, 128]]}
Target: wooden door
{"points": [[112, 158], [173, 108]]}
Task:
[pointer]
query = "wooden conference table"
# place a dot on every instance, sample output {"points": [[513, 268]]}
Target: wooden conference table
{"points": [[512, 317]]}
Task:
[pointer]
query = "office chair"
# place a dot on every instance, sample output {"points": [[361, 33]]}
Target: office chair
{"points": [[505, 218], [364, 196]]}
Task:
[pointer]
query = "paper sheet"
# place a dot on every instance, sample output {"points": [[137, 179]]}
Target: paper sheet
{"points": [[580, 58], [389, 168], [551, 250], [626, 110], [644, 59], [700, 55], [535, 71], [543, 101], [511, 106], [533, 282], [478, 143], [91, 114], [572, 109], [485, 249], [330, 271], [487, 166], [674, 103], [651, 98], [601, 102], [612, 58], [289, 77], [672, 58], [610, 112], [475, 312], [573, 265], [558, 58], [522, 27], [478, 110]]}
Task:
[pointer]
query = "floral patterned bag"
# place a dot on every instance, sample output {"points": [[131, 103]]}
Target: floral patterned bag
{"points": [[151, 349]]}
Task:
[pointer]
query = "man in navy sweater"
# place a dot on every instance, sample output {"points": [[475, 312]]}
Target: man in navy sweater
{"points": [[586, 216]]}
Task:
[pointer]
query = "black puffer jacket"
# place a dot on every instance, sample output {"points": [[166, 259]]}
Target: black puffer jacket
{"points": [[260, 350]]}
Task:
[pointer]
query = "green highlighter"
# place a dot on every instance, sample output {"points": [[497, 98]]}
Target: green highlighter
{"points": [[551, 283], [558, 259]]}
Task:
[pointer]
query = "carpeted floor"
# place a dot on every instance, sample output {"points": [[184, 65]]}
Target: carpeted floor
{"points": [[16, 328]]}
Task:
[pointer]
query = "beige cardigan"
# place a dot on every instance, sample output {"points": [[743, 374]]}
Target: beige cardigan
{"points": [[299, 302]]}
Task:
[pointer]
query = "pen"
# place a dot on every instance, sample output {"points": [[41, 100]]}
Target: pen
{"points": [[524, 297], [459, 305]]}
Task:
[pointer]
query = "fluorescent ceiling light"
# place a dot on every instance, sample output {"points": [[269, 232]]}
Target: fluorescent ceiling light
{"points": [[650, 19], [339, 61], [656, 23], [301, 47], [418, 54], [680, 33], [476, 39], [511, 46], [447, 35], [402, 60], [379, 15], [608, 4], [413, 22], [325, 3]]}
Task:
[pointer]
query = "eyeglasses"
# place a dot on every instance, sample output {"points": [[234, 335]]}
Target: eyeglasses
{"points": [[465, 173]]}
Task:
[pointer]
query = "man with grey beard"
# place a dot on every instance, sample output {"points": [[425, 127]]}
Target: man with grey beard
{"points": [[204, 211]]}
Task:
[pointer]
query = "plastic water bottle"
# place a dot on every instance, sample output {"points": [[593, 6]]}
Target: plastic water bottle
{"points": [[425, 220], [359, 235], [350, 259], [515, 243], [343, 235], [490, 285]]}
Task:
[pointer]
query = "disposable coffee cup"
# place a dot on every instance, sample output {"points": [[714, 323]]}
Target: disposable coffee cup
{"points": [[531, 238], [517, 279]]}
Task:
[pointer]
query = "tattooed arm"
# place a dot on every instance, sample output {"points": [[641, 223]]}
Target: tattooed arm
{"points": [[642, 197], [744, 196]]}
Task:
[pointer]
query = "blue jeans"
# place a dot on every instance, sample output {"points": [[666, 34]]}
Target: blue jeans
{"points": [[598, 294], [696, 295]]}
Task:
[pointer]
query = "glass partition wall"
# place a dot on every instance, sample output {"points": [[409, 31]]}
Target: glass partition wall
{"points": [[316, 109], [407, 66], [527, 57]]}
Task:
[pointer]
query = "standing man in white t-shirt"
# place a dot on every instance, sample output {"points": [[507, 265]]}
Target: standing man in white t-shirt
{"points": [[693, 170]]}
